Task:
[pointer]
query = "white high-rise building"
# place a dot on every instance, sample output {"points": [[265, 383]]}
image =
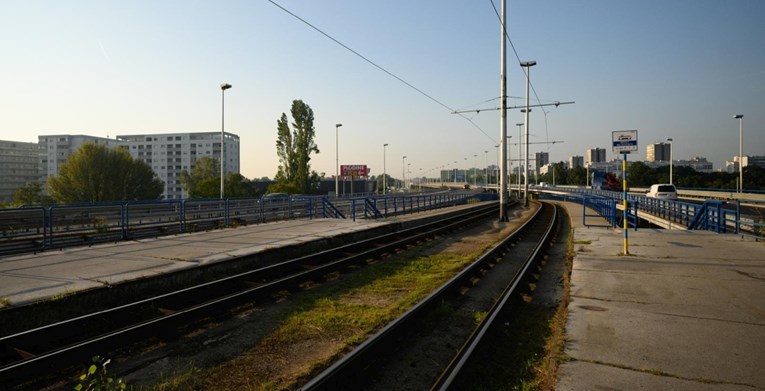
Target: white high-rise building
{"points": [[55, 149], [170, 153], [166, 153]]}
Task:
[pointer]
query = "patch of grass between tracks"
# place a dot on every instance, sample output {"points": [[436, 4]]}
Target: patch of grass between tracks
{"points": [[338, 315], [533, 343]]}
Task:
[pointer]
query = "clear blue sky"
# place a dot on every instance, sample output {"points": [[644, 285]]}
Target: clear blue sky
{"points": [[669, 68]]}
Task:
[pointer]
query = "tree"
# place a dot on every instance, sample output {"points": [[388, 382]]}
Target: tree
{"points": [[639, 174], [294, 147], [96, 173], [577, 176], [31, 194], [204, 179]]}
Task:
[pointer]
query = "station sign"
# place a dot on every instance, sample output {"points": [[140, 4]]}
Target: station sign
{"points": [[353, 170], [624, 141]]}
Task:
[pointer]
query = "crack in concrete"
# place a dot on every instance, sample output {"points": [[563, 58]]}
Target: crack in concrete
{"points": [[659, 372], [714, 319], [611, 300], [748, 275]]}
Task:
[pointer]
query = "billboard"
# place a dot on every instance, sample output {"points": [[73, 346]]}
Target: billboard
{"points": [[353, 170]]}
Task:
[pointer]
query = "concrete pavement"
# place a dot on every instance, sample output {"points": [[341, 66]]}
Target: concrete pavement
{"points": [[684, 311], [32, 277]]}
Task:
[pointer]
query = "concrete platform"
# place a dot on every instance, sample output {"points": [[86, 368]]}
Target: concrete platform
{"points": [[28, 278], [684, 311]]}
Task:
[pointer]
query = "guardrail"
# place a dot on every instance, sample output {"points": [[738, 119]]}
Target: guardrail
{"points": [[35, 229], [713, 215]]}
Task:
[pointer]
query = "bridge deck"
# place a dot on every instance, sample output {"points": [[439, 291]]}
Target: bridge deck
{"points": [[684, 311]]}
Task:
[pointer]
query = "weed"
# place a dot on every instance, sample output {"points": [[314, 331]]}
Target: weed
{"points": [[62, 295], [95, 378], [4, 302], [479, 316]]}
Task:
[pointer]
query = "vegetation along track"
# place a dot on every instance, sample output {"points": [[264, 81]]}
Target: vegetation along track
{"points": [[52, 347], [416, 351]]}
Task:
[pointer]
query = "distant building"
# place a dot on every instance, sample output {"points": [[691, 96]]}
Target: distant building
{"points": [[18, 167], [733, 165], [575, 161], [541, 159], [170, 153], [758, 161], [699, 164], [55, 149], [595, 155], [658, 152], [166, 153]]}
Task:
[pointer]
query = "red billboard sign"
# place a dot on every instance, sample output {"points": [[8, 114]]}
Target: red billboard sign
{"points": [[353, 170]]}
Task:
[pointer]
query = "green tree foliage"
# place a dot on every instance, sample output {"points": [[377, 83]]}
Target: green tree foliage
{"points": [[96, 173], [31, 194], [577, 176], [204, 181], [294, 147], [639, 174]]}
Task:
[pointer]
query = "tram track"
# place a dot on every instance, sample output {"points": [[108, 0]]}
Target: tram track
{"points": [[416, 351], [49, 348]]}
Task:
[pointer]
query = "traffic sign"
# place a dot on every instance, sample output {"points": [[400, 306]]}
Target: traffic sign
{"points": [[624, 141]]}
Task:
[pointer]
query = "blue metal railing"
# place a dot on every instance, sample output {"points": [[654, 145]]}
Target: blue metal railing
{"points": [[712, 215]]}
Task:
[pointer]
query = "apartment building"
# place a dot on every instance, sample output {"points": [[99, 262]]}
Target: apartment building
{"points": [[170, 153], [166, 153], [18, 167], [659, 152], [55, 149]]}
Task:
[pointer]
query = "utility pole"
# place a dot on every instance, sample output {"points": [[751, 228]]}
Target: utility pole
{"points": [[503, 118]]}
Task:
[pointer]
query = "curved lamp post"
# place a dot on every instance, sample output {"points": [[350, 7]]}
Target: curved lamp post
{"points": [[337, 163], [223, 88], [740, 118], [527, 65]]}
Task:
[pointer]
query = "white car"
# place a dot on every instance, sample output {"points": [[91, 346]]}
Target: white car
{"points": [[663, 190]]}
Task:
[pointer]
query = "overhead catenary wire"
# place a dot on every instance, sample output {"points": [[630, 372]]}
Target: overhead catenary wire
{"points": [[391, 74], [545, 112]]}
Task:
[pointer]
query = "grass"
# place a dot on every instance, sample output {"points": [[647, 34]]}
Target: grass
{"points": [[4, 302], [344, 313], [61, 295]]}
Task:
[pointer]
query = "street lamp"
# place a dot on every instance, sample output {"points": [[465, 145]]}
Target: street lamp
{"points": [[527, 65], [475, 174], [520, 153], [223, 88], [464, 173], [486, 173], [497, 148], [337, 163], [740, 118], [385, 176], [409, 171], [403, 174], [670, 160]]}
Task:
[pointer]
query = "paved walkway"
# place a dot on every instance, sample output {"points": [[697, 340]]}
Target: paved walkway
{"points": [[27, 278], [684, 311]]}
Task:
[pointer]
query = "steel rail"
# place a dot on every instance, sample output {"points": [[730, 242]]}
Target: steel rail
{"points": [[450, 377], [349, 371], [52, 351]]}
